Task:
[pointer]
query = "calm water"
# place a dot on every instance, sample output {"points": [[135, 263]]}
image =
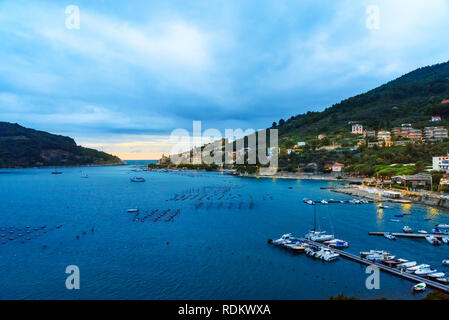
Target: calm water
{"points": [[215, 249]]}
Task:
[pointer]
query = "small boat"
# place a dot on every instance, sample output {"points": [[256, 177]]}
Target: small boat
{"points": [[446, 262], [56, 172], [424, 271], [337, 243], [133, 210], [391, 263], [399, 215], [433, 240], [407, 229], [365, 254], [310, 202], [137, 179], [329, 255], [445, 240], [436, 275], [318, 236], [420, 287], [416, 268], [422, 231], [389, 236], [406, 265], [444, 280], [383, 207], [281, 240], [395, 220], [300, 247], [324, 202], [442, 226]]}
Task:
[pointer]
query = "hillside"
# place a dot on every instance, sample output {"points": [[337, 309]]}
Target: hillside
{"points": [[412, 98], [23, 147]]}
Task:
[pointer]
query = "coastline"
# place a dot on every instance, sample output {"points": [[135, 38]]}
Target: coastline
{"points": [[68, 166], [301, 176]]}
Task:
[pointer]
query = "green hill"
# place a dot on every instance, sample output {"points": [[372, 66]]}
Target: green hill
{"points": [[23, 147], [412, 98]]}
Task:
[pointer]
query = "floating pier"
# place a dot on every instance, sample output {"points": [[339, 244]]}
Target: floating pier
{"points": [[408, 235], [393, 271]]}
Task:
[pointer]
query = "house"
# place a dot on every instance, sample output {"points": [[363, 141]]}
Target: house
{"points": [[435, 119], [337, 167], [384, 135], [357, 129], [321, 136], [396, 131], [413, 181], [439, 133], [428, 132], [440, 163], [369, 134], [301, 144], [415, 134]]}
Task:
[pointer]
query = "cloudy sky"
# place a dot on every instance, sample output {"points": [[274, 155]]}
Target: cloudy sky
{"points": [[136, 70]]}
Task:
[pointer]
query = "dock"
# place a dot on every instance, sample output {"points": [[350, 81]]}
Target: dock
{"points": [[408, 276], [408, 235]]}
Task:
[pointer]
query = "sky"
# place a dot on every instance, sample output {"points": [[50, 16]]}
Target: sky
{"points": [[131, 72]]}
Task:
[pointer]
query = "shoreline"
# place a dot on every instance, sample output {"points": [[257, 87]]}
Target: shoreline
{"points": [[60, 166]]}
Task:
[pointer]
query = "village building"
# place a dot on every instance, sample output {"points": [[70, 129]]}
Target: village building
{"points": [[440, 163], [396, 131], [436, 119], [357, 129], [337, 167], [369, 134], [384, 135], [421, 180], [415, 134], [321, 136], [440, 133]]}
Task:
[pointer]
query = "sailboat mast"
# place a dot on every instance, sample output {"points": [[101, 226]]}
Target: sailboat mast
{"points": [[314, 217]]}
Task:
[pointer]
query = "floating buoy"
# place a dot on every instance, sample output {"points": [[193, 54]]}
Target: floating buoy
{"points": [[167, 243]]}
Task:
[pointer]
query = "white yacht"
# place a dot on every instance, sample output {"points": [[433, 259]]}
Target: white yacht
{"points": [[282, 239], [329, 255], [416, 268], [324, 202], [442, 226], [422, 231], [319, 236], [433, 240], [424, 271], [437, 275], [389, 236], [407, 229], [337, 243], [445, 240], [406, 265]]}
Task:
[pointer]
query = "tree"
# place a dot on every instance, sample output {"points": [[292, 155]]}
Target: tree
{"points": [[281, 122], [274, 125]]}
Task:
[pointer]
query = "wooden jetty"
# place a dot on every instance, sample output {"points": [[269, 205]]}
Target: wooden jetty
{"points": [[409, 276], [408, 235]]}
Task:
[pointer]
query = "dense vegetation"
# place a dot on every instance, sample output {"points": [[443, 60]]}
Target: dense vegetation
{"points": [[412, 98], [23, 147]]}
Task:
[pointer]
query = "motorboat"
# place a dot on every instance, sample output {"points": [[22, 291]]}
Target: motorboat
{"points": [[365, 254], [282, 239], [137, 179], [406, 265], [445, 240], [391, 263], [420, 287], [394, 220], [56, 172], [399, 215], [446, 262], [416, 268], [310, 202], [329, 255], [442, 226], [337, 243], [324, 202], [407, 229], [378, 258], [444, 280], [301, 247], [433, 240], [436, 275], [133, 210], [319, 236], [422, 231], [424, 271], [389, 236]]}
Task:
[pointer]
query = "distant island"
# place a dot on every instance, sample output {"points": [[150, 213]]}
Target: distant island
{"points": [[21, 147]]}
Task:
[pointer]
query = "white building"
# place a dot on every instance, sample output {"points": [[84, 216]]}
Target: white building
{"points": [[440, 163], [357, 129], [301, 144]]}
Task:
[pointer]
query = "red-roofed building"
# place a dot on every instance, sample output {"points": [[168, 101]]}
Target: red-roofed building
{"points": [[445, 101], [337, 167]]}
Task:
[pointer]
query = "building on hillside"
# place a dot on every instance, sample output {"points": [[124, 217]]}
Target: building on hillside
{"points": [[439, 133], [384, 135], [415, 134], [396, 131], [440, 163], [337, 167], [405, 130], [369, 133], [301, 144], [357, 129], [420, 180], [435, 119], [322, 136], [428, 132]]}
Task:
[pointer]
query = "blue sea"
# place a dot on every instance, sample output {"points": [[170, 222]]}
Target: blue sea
{"points": [[215, 248]]}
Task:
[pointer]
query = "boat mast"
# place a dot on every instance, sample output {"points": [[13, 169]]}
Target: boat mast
{"points": [[314, 217]]}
